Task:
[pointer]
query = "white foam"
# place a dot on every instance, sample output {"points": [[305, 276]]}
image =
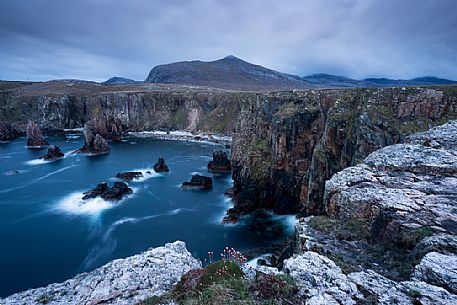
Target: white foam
{"points": [[147, 174], [75, 205], [36, 162]]}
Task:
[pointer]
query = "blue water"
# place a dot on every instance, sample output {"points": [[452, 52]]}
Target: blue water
{"points": [[47, 234]]}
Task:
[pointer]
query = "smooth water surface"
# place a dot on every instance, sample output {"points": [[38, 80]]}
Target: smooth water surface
{"points": [[48, 234]]}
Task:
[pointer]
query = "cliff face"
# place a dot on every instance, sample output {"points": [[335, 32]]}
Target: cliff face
{"points": [[131, 107], [286, 145]]}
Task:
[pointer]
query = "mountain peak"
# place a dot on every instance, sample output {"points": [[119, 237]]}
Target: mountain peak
{"points": [[231, 57]]}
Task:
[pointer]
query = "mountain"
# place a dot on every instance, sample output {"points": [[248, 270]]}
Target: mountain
{"points": [[234, 73], [116, 80], [227, 73]]}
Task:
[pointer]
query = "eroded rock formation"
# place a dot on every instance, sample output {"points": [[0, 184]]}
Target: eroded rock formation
{"points": [[129, 176], [35, 138], [161, 166], [198, 182], [94, 143], [54, 153], [118, 191], [220, 163], [7, 132]]}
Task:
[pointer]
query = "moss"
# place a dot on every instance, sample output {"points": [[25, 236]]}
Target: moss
{"points": [[411, 237], [44, 299], [180, 118], [342, 229], [260, 146]]}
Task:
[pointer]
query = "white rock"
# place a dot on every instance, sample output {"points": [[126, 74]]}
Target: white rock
{"points": [[438, 269]]}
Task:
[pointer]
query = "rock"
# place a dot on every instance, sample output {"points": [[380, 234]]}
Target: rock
{"points": [[198, 182], [54, 153], [108, 128], [7, 132], [129, 176], [400, 191], [383, 291], [120, 282], [220, 162], [115, 193], [94, 144], [35, 138], [439, 270], [160, 166], [320, 280]]}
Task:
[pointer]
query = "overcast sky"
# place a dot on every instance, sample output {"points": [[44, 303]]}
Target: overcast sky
{"points": [[97, 39]]}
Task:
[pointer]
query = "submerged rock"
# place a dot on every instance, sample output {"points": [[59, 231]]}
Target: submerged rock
{"points": [[54, 153], [115, 193], [35, 138], [198, 182], [160, 166], [12, 172], [120, 282], [94, 144], [220, 162], [128, 176]]}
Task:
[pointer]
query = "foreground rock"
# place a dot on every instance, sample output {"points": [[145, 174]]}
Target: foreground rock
{"points": [[438, 269], [401, 190], [198, 182], [35, 138], [220, 162], [7, 132], [94, 143], [129, 176], [120, 282], [160, 166], [54, 153], [115, 193]]}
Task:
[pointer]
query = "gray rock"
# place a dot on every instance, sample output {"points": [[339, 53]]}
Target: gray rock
{"points": [[320, 280], [438, 269], [120, 282]]}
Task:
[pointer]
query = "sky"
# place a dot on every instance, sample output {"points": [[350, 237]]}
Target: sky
{"points": [[98, 39]]}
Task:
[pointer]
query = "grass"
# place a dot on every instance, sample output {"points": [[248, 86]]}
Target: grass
{"points": [[223, 283], [342, 229]]}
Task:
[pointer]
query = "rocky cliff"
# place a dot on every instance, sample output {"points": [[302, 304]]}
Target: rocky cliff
{"points": [[287, 144]]}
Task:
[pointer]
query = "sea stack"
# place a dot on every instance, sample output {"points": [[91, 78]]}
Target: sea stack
{"points": [[94, 143], [35, 139], [160, 166], [220, 163], [115, 193], [54, 153]]}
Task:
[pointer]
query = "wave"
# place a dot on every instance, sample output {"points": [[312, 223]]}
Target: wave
{"points": [[37, 179]]}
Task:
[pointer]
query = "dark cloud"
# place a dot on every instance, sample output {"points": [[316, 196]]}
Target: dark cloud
{"points": [[96, 39]]}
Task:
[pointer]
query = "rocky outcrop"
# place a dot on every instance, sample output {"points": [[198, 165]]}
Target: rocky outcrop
{"points": [[198, 182], [220, 162], [286, 146], [438, 269], [120, 282], [94, 143], [35, 138], [161, 166], [54, 153], [108, 128], [7, 132], [401, 190], [115, 193], [320, 280], [129, 176]]}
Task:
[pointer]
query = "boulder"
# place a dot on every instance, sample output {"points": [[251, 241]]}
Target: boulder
{"points": [[129, 176], [198, 182], [35, 138], [160, 166], [220, 162], [115, 193], [439, 270], [54, 153]]}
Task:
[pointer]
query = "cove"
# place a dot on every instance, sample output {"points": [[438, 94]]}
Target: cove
{"points": [[47, 234]]}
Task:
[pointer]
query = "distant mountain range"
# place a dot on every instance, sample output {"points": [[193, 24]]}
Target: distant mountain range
{"points": [[234, 73]]}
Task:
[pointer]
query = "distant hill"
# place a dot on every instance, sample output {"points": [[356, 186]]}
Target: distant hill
{"points": [[234, 73], [228, 73], [120, 81]]}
